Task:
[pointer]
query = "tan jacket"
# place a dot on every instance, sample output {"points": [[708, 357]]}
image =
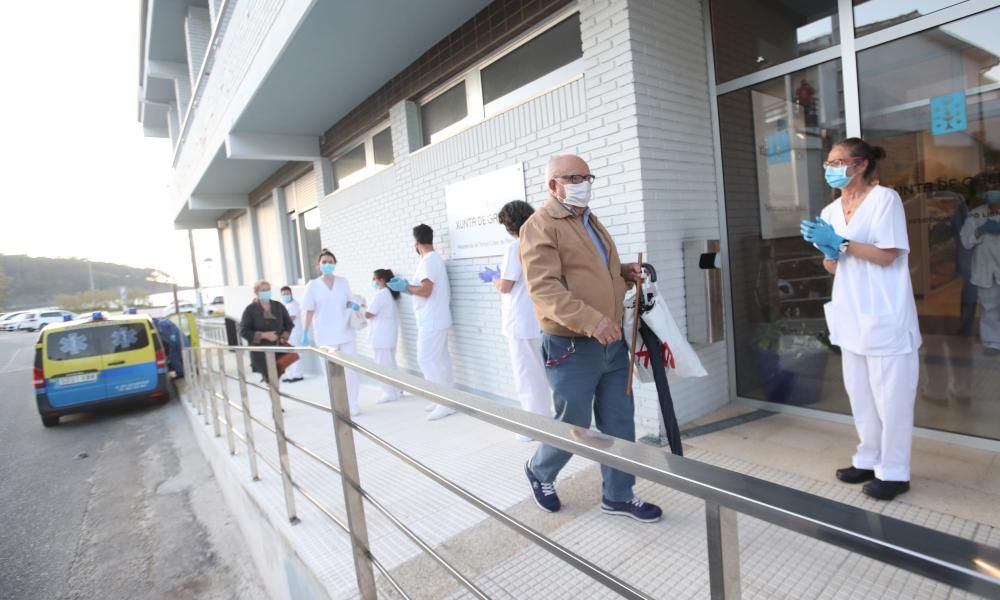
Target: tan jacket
{"points": [[568, 284]]}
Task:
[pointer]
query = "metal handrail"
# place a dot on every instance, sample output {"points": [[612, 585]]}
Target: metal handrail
{"points": [[958, 562]]}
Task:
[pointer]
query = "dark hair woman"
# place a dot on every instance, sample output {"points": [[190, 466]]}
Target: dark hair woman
{"points": [[383, 315], [264, 323], [518, 322], [871, 314]]}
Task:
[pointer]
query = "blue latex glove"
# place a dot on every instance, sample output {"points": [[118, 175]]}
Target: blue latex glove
{"points": [[821, 233], [305, 337], [488, 275], [828, 252], [398, 284], [355, 306], [989, 227]]}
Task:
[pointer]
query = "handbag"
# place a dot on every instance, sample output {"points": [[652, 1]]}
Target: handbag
{"points": [[284, 360]]}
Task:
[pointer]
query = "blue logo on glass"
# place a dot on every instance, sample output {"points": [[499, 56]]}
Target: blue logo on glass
{"points": [[779, 147], [948, 114]]}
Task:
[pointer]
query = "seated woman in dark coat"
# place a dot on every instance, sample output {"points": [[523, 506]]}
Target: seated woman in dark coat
{"points": [[264, 323]]}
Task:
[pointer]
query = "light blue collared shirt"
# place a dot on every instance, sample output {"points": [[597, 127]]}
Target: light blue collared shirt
{"points": [[596, 239]]}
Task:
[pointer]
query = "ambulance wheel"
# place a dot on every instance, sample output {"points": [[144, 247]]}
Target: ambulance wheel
{"points": [[50, 421]]}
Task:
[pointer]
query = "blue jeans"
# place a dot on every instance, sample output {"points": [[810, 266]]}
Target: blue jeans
{"points": [[590, 381]]}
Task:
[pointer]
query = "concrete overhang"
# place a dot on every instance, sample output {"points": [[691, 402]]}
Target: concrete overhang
{"points": [[163, 51], [339, 52]]}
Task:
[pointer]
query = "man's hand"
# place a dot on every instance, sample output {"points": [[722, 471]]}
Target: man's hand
{"points": [[607, 332], [632, 272]]}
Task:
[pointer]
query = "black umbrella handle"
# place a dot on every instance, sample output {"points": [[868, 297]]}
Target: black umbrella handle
{"points": [[650, 270]]}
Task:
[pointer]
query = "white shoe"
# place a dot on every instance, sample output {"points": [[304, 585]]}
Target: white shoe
{"points": [[440, 412], [385, 399], [430, 406], [522, 438], [355, 412]]}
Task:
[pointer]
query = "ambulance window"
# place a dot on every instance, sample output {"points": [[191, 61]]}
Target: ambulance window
{"points": [[125, 337], [73, 344]]}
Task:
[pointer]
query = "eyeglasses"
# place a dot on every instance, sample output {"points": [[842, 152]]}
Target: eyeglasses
{"points": [[578, 178], [840, 162]]}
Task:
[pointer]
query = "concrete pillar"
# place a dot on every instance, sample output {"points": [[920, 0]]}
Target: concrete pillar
{"points": [[222, 257], [284, 234], [255, 255]]}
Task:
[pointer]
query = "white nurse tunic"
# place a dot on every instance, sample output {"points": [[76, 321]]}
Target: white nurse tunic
{"points": [[330, 324], [873, 318]]}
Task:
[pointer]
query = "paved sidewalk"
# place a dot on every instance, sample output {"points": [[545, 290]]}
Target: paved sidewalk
{"points": [[666, 560]]}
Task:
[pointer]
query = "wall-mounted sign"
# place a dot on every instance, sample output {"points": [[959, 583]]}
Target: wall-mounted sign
{"points": [[473, 205]]}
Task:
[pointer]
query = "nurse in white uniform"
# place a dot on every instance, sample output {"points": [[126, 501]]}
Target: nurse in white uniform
{"points": [[327, 304], [517, 314], [871, 314], [384, 318], [981, 234], [294, 372], [432, 306]]}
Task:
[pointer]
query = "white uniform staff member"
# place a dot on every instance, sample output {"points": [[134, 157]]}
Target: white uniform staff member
{"points": [[327, 303], [871, 315], [432, 305], [981, 234], [520, 326], [384, 318], [294, 372]]}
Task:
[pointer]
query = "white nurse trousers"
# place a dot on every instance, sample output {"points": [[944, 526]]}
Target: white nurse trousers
{"points": [[433, 357], [350, 376], [386, 357], [532, 387], [882, 390]]}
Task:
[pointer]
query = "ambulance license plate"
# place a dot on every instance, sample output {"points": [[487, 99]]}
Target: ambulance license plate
{"points": [[78, 378]]}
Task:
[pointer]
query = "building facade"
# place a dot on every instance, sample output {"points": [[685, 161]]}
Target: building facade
{"points": [[299, 125]]}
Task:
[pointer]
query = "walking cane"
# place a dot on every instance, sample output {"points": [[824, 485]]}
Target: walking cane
{"points": [[635, 331]]}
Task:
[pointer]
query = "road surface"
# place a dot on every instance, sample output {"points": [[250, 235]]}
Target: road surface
{"points": [[119, 505]]}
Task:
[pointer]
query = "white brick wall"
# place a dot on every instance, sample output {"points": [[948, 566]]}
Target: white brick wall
{"points": [[639, 116]]}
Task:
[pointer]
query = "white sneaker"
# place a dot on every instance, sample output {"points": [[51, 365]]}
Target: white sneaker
{"points": [[430, 406], [440, 412], [522, 438], [385, 399], [355, 412]]}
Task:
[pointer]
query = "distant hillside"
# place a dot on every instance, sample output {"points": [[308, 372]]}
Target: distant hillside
{"points": [[37, 281]]}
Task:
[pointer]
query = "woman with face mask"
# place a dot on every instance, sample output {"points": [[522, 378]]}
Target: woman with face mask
{"points": [[871, 314], [327, 304], [264, 323], [384, 318], [981, 234]]}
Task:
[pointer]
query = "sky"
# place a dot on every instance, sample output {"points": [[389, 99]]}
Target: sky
{"points": [[79, 178]]}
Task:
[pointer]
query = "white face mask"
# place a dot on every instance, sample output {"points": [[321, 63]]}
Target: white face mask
{"points": [[577, 194]]}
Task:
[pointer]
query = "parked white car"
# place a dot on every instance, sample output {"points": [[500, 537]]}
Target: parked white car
{"points": [[10, 322], [36, 320]]}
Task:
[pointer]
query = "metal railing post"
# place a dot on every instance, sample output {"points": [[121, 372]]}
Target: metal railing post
{"points": [[279, 434], [247, 418], [210, 383], [202, 385], [224, 391], [188, 375], [723, 552], [351, 479]]}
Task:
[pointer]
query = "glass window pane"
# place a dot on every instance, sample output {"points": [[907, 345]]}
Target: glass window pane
{"points": [[750, 35], [775, 137], [348, 163], [73, 344], [122, 338], [382, 145], [932, 100], [272, 258], [447, 109], [555, 48], [293, 227], [313, 241], [873, 15]]}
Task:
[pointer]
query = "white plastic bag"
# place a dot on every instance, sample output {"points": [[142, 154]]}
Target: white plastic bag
{"points": [[679, 357], [356, 318]]}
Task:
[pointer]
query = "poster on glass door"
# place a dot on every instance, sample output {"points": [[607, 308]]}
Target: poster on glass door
{"points": [[473, 205]]}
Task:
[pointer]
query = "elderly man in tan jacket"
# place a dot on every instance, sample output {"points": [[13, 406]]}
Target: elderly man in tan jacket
{"points": [[577, 284]]}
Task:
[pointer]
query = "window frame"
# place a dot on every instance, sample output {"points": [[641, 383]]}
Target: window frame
{"points": [[370, 168], [477, 110]]}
